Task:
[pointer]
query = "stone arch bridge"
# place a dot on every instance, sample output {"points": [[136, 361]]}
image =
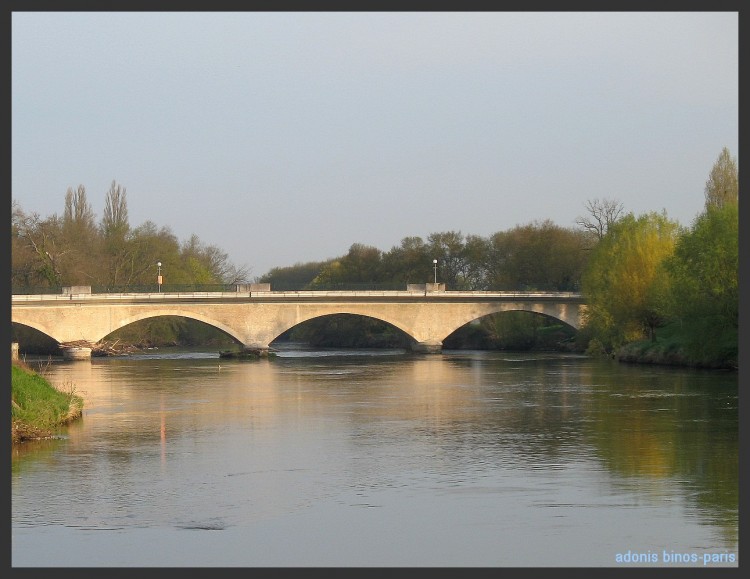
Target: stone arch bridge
{"points": [[255, 318]]}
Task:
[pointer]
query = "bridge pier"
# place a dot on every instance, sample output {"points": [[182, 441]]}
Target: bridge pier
{"points": [[428, 347], [76, 353]]}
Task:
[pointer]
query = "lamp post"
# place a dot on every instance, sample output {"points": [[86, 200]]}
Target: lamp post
{"points": [[434, 265], [158, 275]]}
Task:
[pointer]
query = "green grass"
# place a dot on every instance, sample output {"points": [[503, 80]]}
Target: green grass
{"points": [[37, 407]]}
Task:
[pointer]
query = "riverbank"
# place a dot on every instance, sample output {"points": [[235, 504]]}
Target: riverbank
{"points": [[669, 354], [38, 409]]}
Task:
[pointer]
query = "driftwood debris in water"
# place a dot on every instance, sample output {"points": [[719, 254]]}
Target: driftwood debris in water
{"points": [[103, 348]]}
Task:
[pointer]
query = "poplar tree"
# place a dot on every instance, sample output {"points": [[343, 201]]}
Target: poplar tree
{"points": [[81, 240], [115, 223], [722, 186], [115, 228]]}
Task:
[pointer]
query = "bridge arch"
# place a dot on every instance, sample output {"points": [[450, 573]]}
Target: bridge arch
{"points": [[193, 315], [302, 318], [550, 311], [39, 327]]}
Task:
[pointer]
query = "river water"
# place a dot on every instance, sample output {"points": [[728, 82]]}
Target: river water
{"points": [[382, 459]]}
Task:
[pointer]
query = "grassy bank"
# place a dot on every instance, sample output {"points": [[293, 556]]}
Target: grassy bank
{"points": [[37, 407]]}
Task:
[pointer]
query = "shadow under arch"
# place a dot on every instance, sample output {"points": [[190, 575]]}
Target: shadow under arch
{"points": [[33, 341], [344, 330], [516, 330], [171, 330]]}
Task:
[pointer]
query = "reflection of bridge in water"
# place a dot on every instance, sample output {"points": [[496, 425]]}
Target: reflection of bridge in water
{"points": [[426, 313]]}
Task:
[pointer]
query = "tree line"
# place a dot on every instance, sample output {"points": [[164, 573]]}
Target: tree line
{"points": [[76, 249], [640, 274]]}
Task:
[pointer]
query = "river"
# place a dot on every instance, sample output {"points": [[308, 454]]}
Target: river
{"points": [[382, 459]]}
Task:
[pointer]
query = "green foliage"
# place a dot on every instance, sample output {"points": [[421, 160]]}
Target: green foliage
{"points": [[596, 349], [297, 276], [360, 264], [622, 284], [704, 291], [409, 262], [646, 273], [538, 255]]}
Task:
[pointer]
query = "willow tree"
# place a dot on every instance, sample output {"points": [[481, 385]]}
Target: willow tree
{"points": [[625, 278]]}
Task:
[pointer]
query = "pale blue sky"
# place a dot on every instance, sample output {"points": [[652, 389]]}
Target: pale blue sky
{"points": [[285, 137]]}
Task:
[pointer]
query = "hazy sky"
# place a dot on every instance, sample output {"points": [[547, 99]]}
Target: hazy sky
{"points": [[285, 137]]}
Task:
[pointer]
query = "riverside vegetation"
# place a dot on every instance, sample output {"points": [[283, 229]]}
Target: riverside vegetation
{"points": [[38, 409]]}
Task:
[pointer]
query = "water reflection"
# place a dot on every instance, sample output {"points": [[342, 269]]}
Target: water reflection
{"points": [[549, 449]]}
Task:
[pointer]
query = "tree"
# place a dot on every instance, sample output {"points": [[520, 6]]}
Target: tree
{"points": [[81, 239], [114, 229], [360, 265], [704, 292], [476, 250], [409, 262], [115, 223], [722, 186], [208, 264], [602, 214], [621, 283], [539, 255], [38, 250], [293, 277], [149, 246], [78, 212], [448, 248]]}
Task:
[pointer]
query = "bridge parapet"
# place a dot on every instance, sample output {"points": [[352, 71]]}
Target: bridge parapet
{"points": [[425, 287], [76, 289]]}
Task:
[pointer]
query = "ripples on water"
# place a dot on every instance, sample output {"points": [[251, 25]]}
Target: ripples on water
{"points": [[379, 458]]}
